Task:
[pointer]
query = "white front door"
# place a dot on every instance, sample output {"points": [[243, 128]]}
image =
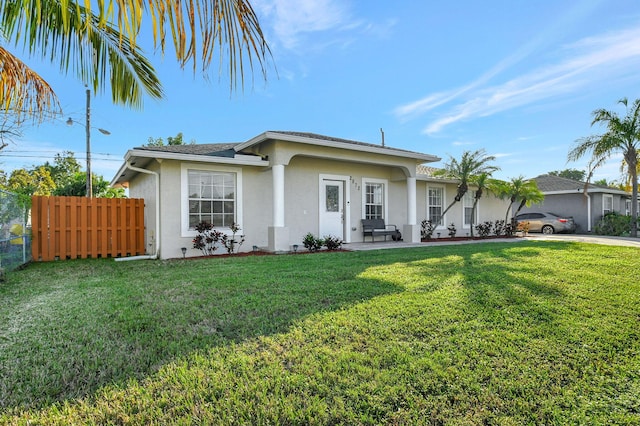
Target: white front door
{"points": [[332, 208]]}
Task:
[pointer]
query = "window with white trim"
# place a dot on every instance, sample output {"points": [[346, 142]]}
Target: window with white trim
{"points": [[212, 198], [435, 205], [627, 207], [374, 200], [607, 203], [467, 208]]}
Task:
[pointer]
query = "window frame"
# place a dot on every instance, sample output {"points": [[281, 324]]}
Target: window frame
{"points": [[385, 196], [607, 197], [471, 194], [184, 195], [443, 189]]}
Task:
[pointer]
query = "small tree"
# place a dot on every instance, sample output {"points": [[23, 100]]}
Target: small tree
{"points": [[517, 190], [483, 184], [470, 164]]}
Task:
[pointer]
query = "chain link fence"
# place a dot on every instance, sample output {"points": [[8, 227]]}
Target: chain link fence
{"points": [[15, 235]]}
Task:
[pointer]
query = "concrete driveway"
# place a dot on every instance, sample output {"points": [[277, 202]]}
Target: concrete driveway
{"points": [[593, 239]]}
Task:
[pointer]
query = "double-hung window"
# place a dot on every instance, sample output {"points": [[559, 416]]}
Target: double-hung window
{"points": [[467, 205], [374, 199], [607, 203], [212, 197], [435, 205]]}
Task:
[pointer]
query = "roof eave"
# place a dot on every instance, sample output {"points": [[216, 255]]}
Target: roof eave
{"points": [[334, 144], [589, 191], [426, 178], [198, 158]]}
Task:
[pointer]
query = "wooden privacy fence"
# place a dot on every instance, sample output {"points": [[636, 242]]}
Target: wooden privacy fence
{"points": [[80, 227]]}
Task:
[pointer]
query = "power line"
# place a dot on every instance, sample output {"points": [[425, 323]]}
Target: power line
{"points": [[49, 157], [53, 152]]}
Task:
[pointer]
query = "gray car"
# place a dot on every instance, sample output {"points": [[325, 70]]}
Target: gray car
{"points": [[547, 223]]}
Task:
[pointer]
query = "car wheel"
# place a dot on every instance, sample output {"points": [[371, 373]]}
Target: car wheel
{"points": [[547, 229]]}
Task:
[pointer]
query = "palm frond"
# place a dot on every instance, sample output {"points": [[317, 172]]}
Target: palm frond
{"points": [[23, 92]]}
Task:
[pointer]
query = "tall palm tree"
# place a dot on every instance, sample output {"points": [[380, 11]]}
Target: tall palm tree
{"points": [[470, 164], [621, 137], [99, 42]]}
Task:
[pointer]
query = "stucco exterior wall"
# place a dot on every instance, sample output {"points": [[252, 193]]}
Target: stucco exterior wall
{"points": [[302, 180], [302, 197], [489, 208], [255, 201], [143, 185]]}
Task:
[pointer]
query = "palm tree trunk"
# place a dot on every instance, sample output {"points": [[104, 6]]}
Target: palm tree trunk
{"points": [[445, 212], [506, 214], [473, 213], [634, 200], [522, 203]]}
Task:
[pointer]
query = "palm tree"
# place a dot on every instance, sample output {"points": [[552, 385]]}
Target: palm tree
{"points": [[520, 190], [622, 136], [99, 42], [529, 194], [470, 164], [511, 191], [483, 183]]}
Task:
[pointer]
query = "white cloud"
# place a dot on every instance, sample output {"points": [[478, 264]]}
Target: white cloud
{"points": [[291, 19], [589, 62], [462, 143]]}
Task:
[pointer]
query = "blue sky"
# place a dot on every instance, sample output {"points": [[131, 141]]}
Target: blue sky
{"points": [[518, 78]]}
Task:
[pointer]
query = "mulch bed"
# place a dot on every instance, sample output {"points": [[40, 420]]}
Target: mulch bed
{"points": [[255, 253]]}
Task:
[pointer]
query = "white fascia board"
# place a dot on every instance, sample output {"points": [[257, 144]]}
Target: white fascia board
{"points": [[123, 168], [335, 144], [239, 160], [589, 191], [243, 160]]}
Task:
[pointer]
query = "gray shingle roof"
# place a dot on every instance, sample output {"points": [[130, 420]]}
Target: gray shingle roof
{"points": [[210, 149], [331, 138], [548, 183], [227, 149]]}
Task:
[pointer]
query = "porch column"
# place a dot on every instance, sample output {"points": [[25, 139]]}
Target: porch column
{"points": [[278, 194], [278, 233], [411, 233]]}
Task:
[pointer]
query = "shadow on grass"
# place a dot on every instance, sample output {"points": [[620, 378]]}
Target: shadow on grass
{"points": [[70, 328]]}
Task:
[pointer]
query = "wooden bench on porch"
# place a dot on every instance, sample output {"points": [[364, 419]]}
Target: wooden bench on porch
{"points": [[377, 227]]}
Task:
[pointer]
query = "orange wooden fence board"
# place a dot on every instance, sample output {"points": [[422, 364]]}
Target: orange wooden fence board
{"points": [[79, 227]]}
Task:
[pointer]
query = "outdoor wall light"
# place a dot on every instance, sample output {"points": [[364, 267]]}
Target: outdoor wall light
{"points": [[295, 248], [184, 252]]}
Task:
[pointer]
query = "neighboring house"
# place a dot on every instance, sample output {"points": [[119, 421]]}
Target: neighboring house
{"points": [[278, 186], [567, 197]]}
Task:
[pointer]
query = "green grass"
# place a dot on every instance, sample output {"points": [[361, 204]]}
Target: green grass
{"points": [[517, 333]]}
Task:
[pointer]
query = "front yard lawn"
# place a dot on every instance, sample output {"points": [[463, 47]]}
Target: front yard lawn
{"points": [[494, 333]]}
